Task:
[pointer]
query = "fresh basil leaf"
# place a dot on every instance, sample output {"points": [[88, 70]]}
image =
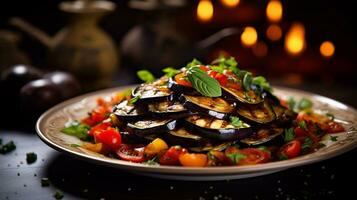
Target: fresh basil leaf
{"points": [[289, 135], [203, 83], [193, 63], [262, 82], [236, 157], [78, 130], [247, 81], [170, 71], [145, 76], [304, 104], [333, 138]]}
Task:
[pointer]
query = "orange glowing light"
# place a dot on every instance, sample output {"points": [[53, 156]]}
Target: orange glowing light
{"points": [[327, 49], [230, 3], [205, 10], [274, 11], [295, 39], [260, 49], [274, 32], [249, 36]]}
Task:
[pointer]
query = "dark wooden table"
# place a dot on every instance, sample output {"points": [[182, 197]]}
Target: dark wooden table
{"points": [[330, 179]]}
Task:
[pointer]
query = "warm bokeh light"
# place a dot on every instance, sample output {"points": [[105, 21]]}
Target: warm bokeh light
{"points": [[205, 10], [260, 49], [327, 49], [249, 36], [274, 32], [230, 3], [274, 11], [295, 39]]}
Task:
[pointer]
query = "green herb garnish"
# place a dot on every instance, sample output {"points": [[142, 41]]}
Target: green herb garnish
{"points": [[77, 129], [218, 69], [235, 121], [74, 145], [304, 104], [307, 143], [330, 116], [170, 71], [247, 81], [8, 147], [134, 100], [262, 82], [321, 145], [193, 63], [289, 135], [31, 157], [291, 103], [145, 76], [283, 157], [45, 182], [203, 83], [58, 195], [153, 161], [302, 124], [333, 138], [236, 157]]}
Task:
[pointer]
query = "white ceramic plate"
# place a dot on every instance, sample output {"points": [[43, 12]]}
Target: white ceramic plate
{"points": [[51, 122]]}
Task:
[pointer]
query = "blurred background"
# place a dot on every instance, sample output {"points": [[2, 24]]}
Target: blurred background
{"points": [[309, 45]]}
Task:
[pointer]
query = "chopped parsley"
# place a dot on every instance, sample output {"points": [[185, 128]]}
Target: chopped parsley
{"points": [[8, 147], [262, 82], [74, 145], [170, 71], [134, 100], [333, 138], [218, 69], [296, 106], [289, 134], [304, 104], [145, 76], [291, 103], [307, 143], [45, 182], [330, 116], [31, 157], [302, 124], [193, 63], [58, 195], [236, 157], [235, 121], [152, 162]]}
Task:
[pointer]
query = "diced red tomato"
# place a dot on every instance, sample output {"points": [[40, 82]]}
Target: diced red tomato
{"points": [[299, 132], [171, 156], [254, 156], [109, 137], [222, 79], [99, 128], [204, 68], [291, 149], [98, 115], [334, 127], [234, 86], [212, 73], [131, 153], [180, 79], [193, 159]]}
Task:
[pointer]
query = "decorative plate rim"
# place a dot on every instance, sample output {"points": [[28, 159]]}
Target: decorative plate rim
{"points": [[210, 171]]}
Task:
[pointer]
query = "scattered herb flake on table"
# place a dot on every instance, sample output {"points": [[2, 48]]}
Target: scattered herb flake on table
{"points": [[8, 147], [31, 157]]}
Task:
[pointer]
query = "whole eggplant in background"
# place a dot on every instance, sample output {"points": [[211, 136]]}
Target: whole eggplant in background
{"points": [[67, 83]]}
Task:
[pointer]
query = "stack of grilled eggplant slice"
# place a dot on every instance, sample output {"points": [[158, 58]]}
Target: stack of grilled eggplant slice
{"points": [[181, 116]]}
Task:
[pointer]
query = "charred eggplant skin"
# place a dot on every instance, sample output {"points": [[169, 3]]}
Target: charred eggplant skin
{"points": [[167, 125], [125, 112], [239, 96], [168, 110], [264, 136], [219, 134], [195, 108], [181, 136], [149, 93], [181, 89]]}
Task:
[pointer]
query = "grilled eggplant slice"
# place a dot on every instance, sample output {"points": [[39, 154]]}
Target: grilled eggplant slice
{"points": [[149, 93], [181, 89], [128, 112], [260, 113], [245, 97], [210, 147], [215, 106], [181, 136], [217, 129], [263, 135], [167, 109], [149, 127]]}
